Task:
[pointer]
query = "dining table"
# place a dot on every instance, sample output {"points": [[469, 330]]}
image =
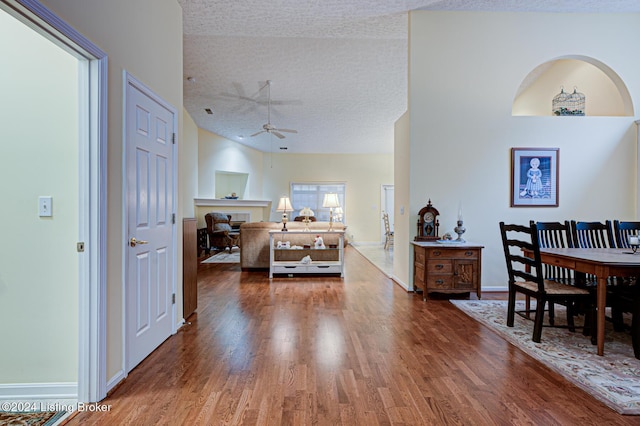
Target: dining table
{"points": [[601, 263]]}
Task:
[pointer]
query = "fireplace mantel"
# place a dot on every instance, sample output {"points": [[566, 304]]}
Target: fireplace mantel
{"points": [[225, 202]]}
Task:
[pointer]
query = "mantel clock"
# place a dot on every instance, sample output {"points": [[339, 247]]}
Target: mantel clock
{"points": [[428, 223]]}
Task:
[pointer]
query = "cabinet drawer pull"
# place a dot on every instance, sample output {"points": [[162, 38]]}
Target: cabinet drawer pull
{"points": [[439, 266], [437, 253], [439, 281], [468, 253]]}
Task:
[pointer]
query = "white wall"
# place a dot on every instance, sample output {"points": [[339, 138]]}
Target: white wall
{"points": [[188, 165], [143, 37], [404, 220], [38, 258], [363, 174], [465, 70], [216, 153]]}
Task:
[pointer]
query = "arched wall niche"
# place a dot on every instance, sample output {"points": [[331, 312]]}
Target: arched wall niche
{"points": [[605, 92]]}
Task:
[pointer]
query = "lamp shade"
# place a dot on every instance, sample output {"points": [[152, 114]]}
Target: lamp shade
{"points": [[284, 205], [331, 200], [307, 212]]}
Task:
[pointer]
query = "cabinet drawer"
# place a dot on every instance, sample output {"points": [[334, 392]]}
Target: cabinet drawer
{"points": [[440, 282], [439, 266], [323, 269], [288, 269], [307, 269], [445, 253]]}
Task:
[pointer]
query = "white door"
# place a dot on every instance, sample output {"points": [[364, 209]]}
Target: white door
{"points": [[149, 190]]}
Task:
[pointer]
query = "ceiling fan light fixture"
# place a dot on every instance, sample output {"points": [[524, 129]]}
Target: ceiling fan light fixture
{"points": [[268, 127]]}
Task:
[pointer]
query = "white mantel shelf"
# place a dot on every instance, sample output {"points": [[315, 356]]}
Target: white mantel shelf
{"points": [[225, 202]]}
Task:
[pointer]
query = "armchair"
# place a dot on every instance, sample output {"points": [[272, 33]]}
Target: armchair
{"points": [[221, 234]]}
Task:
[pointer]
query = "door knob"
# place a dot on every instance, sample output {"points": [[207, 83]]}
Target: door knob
{"points": [[133, 242]]}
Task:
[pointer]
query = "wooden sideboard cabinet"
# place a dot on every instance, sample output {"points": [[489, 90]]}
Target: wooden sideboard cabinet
{"points": [[446, 267]]}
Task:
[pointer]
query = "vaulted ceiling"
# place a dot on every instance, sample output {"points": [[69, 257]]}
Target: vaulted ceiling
{"points": [[338, 68]]}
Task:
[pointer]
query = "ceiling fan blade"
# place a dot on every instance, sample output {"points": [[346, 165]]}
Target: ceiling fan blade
{"points": [[281, 136], [286, 102], [256, 134], [286, 130]]}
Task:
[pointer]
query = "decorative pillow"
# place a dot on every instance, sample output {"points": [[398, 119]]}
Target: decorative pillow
{"points": [[222, 227], [219, 217]]}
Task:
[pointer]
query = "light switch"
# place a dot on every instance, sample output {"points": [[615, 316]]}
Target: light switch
{"points": [[45, 206], [401, 209]]}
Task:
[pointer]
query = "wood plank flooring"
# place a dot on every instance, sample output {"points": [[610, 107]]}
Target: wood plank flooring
{"points": [[331, 351]]}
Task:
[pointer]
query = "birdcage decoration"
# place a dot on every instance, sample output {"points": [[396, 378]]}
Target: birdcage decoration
{"points": [[568, 103]]}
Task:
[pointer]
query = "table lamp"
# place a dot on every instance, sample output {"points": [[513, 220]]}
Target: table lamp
{"points": [[331, 201], [338, 213], [284, 205], [307, 213]]}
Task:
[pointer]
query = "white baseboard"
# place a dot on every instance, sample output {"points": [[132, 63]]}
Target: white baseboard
{"points": [[366, 243], [400, 283], [494, 289], [117, 378], [38, 391]]}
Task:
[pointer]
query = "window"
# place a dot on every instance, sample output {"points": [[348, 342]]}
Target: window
{"points": [[312, 194]]}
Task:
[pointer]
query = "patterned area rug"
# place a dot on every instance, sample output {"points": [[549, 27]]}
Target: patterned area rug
{"points": [[225, 257], [44, 418], [613, 378]]}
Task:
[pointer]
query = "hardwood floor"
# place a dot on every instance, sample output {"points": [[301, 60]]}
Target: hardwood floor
{"points": [[330, 351]]}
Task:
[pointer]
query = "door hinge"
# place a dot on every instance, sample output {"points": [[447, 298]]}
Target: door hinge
{"points": [[173, 299], [80, 247], [173, 218], [173, 138]]}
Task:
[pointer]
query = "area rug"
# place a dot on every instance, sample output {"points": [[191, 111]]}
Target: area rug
{"points": [[40, 418], [224, 257], [613, 378]]}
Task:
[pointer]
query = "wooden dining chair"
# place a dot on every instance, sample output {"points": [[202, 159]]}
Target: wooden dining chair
{"points": [[555, 235], [623, 230], [626, 298], [601, 235], [592, 234], [388, 233], [526, 277]]}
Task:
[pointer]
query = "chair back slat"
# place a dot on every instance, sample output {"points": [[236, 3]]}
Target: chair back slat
{"points": [[592, 234], [624, 230]]}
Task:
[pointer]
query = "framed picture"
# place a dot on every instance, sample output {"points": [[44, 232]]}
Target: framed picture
{"points": [[534, 177]]}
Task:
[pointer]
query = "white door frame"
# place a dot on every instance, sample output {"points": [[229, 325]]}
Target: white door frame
{"points": [[128, 79], [92, 170]]}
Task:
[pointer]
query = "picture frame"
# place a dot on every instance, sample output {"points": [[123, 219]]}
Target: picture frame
{"points": [[534, 177]]}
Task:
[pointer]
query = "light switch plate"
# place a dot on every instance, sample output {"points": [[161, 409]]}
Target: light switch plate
{"points": [[45, 206]]}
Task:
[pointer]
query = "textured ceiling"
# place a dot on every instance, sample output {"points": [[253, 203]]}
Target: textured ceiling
{"points": [[338, 67]]}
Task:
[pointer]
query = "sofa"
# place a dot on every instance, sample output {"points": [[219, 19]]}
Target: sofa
{"points": [[254, 240]]}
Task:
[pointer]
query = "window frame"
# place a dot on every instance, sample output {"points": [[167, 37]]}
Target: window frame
{"points": [[321, 213]]}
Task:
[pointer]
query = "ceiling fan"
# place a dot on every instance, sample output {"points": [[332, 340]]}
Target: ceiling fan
{"points": [[268, 127]]}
